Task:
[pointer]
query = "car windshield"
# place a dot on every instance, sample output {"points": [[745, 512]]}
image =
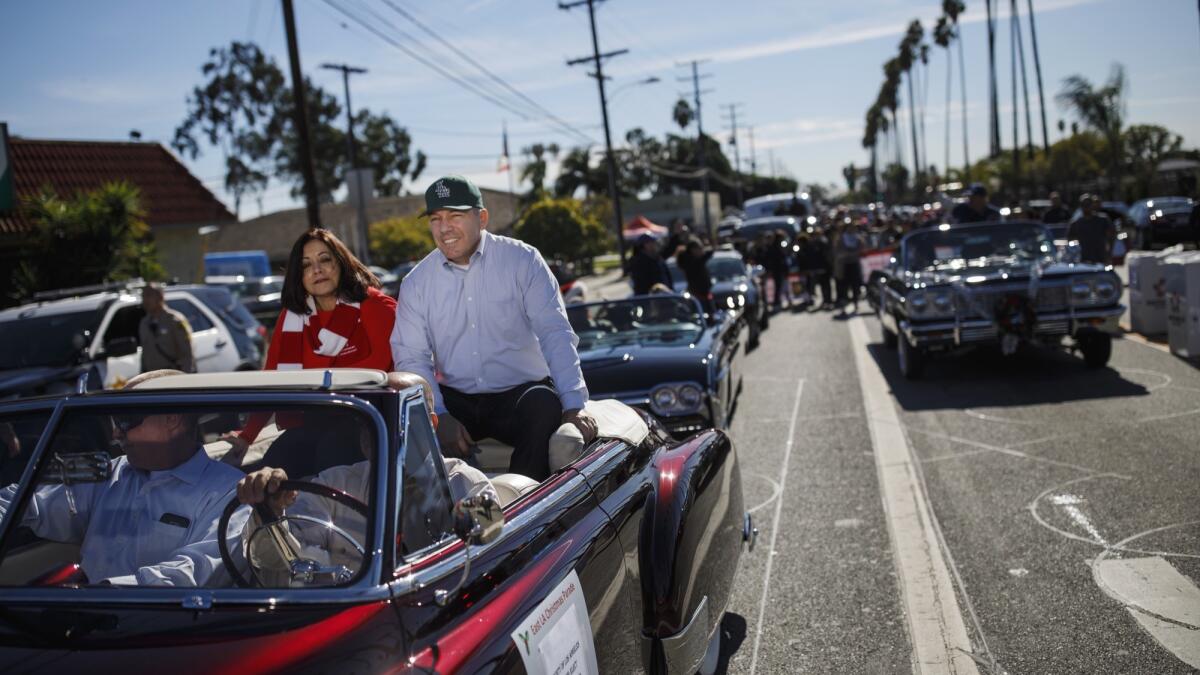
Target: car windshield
{"points": [[661, 319], [60, 339], [726, 269], [250, 289], [132, 495], [753, 231], [959, 247]]}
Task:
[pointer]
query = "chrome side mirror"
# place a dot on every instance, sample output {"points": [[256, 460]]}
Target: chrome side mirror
{"points": [[478, 520]]}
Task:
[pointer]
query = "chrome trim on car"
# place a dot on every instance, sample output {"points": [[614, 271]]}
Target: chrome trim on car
{"points": [[443, 568], [685, 650], [370, 586], [980, 330]]}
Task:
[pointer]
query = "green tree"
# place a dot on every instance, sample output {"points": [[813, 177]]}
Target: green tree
{"points": [[397, 240], [534, 170], [1145, 146], [1101, 109], [91, 238], [244, 108], [561, 230]]}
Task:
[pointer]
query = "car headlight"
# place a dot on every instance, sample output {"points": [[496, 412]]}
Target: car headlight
{"points": [[1100, 289], [931, 303], [680, 398]]}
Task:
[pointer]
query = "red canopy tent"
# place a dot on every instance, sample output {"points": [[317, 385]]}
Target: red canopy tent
{"points": [[639, 225]]}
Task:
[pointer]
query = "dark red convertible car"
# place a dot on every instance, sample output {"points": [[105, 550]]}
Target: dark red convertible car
{"points": [[622, 561]]}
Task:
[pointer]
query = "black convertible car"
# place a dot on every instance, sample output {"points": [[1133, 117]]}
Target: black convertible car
{"points": [[994, 283], [621, 561], [736, 286], [662, 354]]}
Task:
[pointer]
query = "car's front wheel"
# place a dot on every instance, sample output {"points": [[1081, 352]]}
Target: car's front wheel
{"points": [[911, 358], [755, 330], [1096, 349]]}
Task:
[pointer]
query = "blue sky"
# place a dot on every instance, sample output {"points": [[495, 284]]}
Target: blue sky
{"points": [[803, 70]]}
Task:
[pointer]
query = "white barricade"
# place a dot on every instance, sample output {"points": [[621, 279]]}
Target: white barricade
{"points": [[1182, 276], [1147, 293]]}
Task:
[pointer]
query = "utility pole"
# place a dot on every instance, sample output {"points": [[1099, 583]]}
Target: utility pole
{"points": [[737, 155], [753, 157], [364, 253], [597, 60], [695, 79], [299, 101], [1037, 65]]}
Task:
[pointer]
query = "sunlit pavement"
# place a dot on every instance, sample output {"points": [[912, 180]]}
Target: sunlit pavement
{"points": [[1065, 501]]}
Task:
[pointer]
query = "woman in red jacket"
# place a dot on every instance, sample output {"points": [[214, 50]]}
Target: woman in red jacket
{"points": [[334, 316]]}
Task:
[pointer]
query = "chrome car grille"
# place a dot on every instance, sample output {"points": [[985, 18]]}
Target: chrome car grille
{"points": [[980, 302]]}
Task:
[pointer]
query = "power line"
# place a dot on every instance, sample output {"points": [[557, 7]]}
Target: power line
{"points": [[456, 50], [436, 67]]}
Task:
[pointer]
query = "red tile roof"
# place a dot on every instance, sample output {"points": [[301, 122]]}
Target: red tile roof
{"points": [[171, 195]]}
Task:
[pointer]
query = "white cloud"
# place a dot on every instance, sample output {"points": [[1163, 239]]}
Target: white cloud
{"points": [[102, 92]]}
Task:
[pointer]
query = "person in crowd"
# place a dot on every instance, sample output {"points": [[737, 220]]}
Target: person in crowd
{"points": [[484, 311], [1058, 212], [810, 263], [692, 259], [164, 334], [680, 234], [976, 209], [153, 522], [775, 260], [1194, 224], [848, 246], [353, 479], [1093, 230], [823, 272], [335, 315], [646, 267]]}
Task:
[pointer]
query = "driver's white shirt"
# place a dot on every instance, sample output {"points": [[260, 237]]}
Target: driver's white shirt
{"points": [[130, 527]]}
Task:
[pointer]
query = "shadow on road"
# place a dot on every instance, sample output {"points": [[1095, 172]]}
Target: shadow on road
{"points": [[980, 378], [733, 634]]}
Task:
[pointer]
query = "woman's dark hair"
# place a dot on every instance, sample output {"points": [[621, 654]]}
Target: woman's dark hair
{"points": [[353, 277]]}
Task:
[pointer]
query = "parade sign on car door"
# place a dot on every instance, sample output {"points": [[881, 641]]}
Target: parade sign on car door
{"points": [[556, 638]]}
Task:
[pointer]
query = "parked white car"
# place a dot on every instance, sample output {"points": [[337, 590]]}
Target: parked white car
{"points": [[45, 346]]}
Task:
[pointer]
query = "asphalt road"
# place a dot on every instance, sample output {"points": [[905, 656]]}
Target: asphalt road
{"points": [[1064, 498]]}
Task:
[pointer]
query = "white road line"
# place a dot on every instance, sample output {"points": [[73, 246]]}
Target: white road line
{"points": [[935, 623], [787, 454], [1159, 418]]}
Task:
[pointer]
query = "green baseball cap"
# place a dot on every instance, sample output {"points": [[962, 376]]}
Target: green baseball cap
{"points": [[456, 193]]}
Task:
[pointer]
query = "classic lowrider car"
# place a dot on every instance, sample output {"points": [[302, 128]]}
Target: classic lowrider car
{"points": [[993, 283], [664, 355], [736, 286], [621, 561]]}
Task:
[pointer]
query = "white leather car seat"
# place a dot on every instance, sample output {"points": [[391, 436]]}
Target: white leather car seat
{"points": [[510, 486]]}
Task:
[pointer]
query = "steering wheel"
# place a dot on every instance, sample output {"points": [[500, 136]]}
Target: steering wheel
{"points": [[269, 518]]}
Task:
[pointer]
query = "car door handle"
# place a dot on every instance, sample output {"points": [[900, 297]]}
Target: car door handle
{"points": [[221, 344]]}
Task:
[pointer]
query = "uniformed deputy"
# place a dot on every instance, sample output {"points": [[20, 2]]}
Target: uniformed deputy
{"points": [[165, 335]]}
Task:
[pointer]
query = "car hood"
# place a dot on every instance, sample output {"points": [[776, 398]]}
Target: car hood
{"points": [[996, 272], [640, 365], [24, 381]]}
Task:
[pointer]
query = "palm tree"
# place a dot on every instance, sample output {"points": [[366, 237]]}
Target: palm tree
{"points": [[906, 59], [1102, 109], [889, 98], [943, 33], [1037, 65], [952, 9], [1016, 23], [575, 171], [535, 171], [683, 114], [993, 94]]}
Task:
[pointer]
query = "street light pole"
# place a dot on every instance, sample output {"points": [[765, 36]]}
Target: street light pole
{"points": [[364, 252], [597, 59], [301, 118]]}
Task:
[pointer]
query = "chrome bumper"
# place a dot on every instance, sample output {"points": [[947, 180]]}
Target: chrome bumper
{"points": [[955, 332]]}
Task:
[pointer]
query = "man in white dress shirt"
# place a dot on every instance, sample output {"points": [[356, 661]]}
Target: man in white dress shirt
{"points": [[153, 522]]}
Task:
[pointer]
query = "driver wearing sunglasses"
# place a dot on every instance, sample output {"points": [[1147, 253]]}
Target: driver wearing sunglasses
{"points": [[153, 522]]}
